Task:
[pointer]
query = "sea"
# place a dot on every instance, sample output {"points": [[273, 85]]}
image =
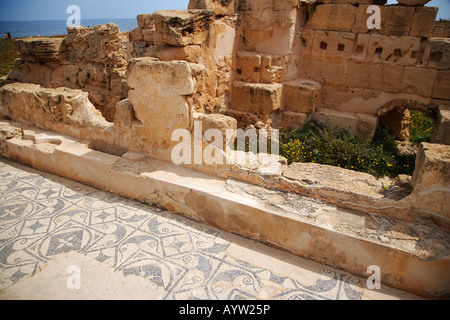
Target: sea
{"points": [[22, 29]]}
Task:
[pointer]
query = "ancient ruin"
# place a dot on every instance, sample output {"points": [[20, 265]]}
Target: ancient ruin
{"points": [[100, 107]]}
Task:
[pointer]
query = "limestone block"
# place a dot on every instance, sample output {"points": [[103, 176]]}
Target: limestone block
{"points": [[40, 49], [46, 108], [248, 66], [221, 123], [360, 47], [157, 90], [136, 35], [182, 27], [32, 72], [272, 69], [442, 85], [397, 20], [101, 44], [423, 22], [441, 133], [367, 125], [148, 35], [385, 77], [431, 178], [394, 49], [302, 96], [125, 117], [257, 97], [437, 54], [65, 76], [191, 53], [293, 120], [332, 17], [273, 39], [145, 21], [358, 74], [333, 44], [361, 16], [332, 118], [225, 37], [413, 2], [93, 75], [325, 71], [269, 13], [7, 132], [307, 38], [418, 81], [220, 7]]}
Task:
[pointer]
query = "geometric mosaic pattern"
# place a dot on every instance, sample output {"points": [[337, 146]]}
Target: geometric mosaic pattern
{"points": [[42, 215]]}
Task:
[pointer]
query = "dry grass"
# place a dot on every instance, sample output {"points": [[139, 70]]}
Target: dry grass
{"points": [[7, 56]]}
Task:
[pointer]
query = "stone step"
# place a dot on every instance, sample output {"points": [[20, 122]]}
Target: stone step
{"points": [[411, 256]]}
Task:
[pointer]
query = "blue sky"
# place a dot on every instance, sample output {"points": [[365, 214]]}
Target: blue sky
{"points": [[97, 9], [90, 9]]}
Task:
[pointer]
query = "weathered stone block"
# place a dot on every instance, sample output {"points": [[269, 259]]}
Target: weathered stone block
{"points": [[360, 47], [307, 41], [65, 76], [441, 133], [423, 22], [442, 85], [385, 77], [397, 20], [418, 80], [248, 66], [191, 53], [272, 68], [136, 35], [437, 54], [221, 123], [48, 108], [333, 17], [394, 49], [302, 96], [145, 21], [125, 117], [88, 45], [325, 71], [332, 118], [367, 124], [220, 7], [431, 178], [40, 49], [157, 95], [257, 97], [292, 120], [182, 27], [333, 44], [358, 74]]}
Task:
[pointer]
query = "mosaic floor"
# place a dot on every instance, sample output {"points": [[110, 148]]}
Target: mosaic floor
{"points": [[43, 216]]}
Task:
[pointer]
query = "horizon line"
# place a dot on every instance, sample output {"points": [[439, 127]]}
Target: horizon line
{"points": [[62, 19]]}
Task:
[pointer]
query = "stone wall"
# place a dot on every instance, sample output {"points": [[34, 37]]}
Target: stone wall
{"points": [[90, 59], [344, 71], [195, 36]]}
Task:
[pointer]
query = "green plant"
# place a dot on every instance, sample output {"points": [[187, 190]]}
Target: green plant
{"points": [[319, 144], [421, 127]]}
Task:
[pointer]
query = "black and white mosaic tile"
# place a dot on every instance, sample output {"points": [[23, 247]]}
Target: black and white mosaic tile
{"points": [[43, 216]]}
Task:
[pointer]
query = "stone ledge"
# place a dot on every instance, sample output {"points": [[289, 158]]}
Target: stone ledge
{"points": [[412, 256]]}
